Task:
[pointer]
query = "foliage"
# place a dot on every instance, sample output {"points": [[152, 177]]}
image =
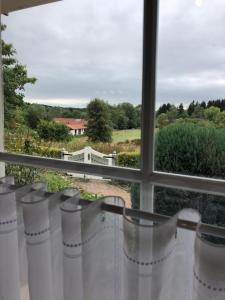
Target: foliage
{"points": [[220, 119], [198, 112], [15, 78], [212, 113], [99, 126], [130, 160], [190, 149], [55, 181], [34, 113], [125, 116], [220, 103], [135, 195], [163, 109], [23, 175], [180, 111], [162, 120], [53, 131], [47, 152], [88, 195], [191, 108], [172, 114]]}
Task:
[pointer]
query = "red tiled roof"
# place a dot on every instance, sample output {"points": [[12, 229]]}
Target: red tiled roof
{"points": [[72, 123]]}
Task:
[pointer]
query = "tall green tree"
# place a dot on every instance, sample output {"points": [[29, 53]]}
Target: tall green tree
{"points": [[191, 108], [99, 128], [15, 78], [130, 113]]}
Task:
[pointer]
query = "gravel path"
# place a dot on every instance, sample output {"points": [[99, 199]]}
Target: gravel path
{"points": [[104, 188]]}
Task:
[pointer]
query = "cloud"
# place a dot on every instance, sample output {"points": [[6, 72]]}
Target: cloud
{"points": [[79, 50]]}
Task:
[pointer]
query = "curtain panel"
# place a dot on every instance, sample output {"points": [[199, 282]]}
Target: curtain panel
{"points": [[53, 248]]}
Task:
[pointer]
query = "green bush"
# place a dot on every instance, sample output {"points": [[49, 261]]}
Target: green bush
{"points": [[52, 131], [128, 159], [191, 149], [47, 152], [55, 181], [23, 175], [88, 195]]}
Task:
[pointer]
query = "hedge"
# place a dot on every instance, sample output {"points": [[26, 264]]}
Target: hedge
{"points": [[128, 159], [47, 152]]}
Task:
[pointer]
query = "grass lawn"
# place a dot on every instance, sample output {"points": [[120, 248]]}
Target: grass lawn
{"points": [[123, 135]]}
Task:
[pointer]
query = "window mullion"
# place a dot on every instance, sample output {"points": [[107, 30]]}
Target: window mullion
{"points": [[148, 101], [2, 165]]}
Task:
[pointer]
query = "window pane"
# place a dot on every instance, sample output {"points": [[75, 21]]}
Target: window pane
{"points": [[190, 131], [80, 51], [169, 201]]}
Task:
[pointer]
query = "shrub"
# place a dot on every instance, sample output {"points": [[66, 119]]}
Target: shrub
{"points": [[191, 149], [47, 152], [23, 175], [55, 181], [53, 131], [89, 196], [130, 160]]}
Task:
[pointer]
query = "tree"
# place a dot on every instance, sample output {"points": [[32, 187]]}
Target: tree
{"points": [[53, 131], [162, 120], [130, 114], [212, 113], [15, 78], [220, 120], [122, 120], [163, 109], [99, 128], [198, 112], [34, 114], [172, 114], [191, 108], [203, 104], [180, 111]]}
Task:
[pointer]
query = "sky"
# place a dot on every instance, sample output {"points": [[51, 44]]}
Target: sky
{"points": [[82, 49]]}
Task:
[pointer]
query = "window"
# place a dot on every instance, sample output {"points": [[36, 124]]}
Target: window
{"points": [[147, 177]]}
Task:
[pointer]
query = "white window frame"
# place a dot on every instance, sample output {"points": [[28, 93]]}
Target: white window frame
{"points": [[146, 175]]}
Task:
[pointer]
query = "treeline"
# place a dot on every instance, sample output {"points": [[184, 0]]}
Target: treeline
{"points": [[207, 114], [220, 103], [122, 116]]}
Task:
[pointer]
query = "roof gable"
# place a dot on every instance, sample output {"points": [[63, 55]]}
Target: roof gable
{"points": [[72, 123]]}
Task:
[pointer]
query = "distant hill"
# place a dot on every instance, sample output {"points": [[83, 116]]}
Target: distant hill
{"points": [[57, 111]]}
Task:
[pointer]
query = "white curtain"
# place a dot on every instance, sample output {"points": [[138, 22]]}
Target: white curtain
{"points": [[51, 248]]}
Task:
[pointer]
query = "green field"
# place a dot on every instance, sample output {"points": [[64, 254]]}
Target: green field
{"points": [[123, 135]]}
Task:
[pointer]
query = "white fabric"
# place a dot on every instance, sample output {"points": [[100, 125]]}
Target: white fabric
{"points": [[69, 252]]}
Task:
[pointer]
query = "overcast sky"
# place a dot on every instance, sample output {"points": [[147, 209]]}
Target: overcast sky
{"points": [[83, 49]]}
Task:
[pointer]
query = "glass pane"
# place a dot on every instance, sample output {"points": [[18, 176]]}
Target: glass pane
{"points": [[169, 201], [79, 52], [190, 113]]}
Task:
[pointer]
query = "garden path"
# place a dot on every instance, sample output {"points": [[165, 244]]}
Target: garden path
{"points": [[104, 188]]}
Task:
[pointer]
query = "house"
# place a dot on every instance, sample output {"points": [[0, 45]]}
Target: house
{"points": [[76, 126]]}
